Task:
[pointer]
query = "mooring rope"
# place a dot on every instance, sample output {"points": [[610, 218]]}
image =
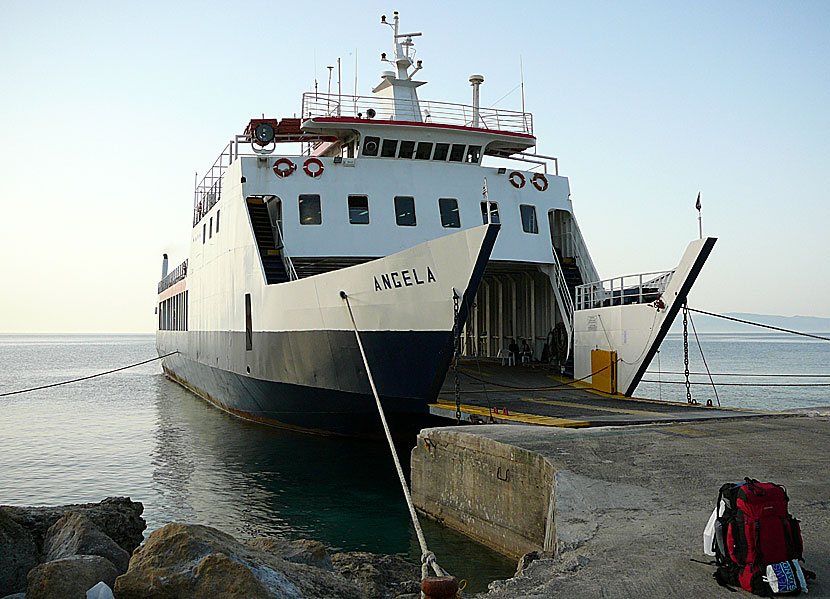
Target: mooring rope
{"points": [[427, 557], [85, 378]]}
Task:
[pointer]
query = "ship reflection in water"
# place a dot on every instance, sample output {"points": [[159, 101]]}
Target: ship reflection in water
{"points": [[251, 480]]}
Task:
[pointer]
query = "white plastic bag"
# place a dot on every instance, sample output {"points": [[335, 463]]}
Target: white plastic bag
{"points": [[100, 591], [709, 534]]}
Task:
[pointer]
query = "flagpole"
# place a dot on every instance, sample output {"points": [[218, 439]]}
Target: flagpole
{"points": [[699, 216]]}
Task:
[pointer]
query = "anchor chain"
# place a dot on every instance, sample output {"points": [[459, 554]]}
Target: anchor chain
{"points": [[456, 336], [686, 352]]}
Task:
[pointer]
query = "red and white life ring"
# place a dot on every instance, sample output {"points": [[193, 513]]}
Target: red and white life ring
{"points": [[517, 179], [313, 173], [290, 167], [539, 181]]}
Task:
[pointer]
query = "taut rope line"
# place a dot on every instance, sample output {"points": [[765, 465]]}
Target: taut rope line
{"points": [[427, 557], [84, 378]]}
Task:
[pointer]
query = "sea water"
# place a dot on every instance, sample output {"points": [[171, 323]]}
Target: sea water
{"points": [[760, 371], [135, 433]]}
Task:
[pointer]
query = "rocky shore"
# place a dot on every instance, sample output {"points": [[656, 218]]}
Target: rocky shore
{"points": [[97, 551]]}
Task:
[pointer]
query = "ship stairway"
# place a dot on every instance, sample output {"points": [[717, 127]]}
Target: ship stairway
{"points": [[567, 276], [271, 256]]}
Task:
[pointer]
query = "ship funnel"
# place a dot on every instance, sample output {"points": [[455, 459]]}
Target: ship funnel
{"points": [[164, 266], [476, 81]]}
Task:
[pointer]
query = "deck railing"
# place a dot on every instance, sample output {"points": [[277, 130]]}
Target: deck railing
{"points": [[629, 289], [174, 276], [444, 113]]}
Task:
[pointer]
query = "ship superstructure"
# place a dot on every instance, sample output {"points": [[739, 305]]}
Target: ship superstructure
{"points": [[389, 198]]}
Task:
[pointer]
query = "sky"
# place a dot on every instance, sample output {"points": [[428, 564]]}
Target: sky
{"points": [[109, 108]]}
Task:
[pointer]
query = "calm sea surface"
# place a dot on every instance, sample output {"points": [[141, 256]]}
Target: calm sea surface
{"points": [[761, 355], [135, 433]]}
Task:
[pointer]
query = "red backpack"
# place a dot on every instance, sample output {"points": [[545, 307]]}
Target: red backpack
{"points": [[754, 530]]}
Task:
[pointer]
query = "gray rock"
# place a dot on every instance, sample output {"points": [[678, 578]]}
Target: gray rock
{"points": [[529, 558], [70, 577], [302, 551], [18, 555], [117, 517], [75, 534], [378, 576], [183, 561]]}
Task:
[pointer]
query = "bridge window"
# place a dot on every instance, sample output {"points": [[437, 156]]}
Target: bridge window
{"points": [[217, 221], [210, 234], [310, 213], [441, 151], [407, 149], [359, 210], [424, 150], [529, 224], [494, 213], [473, 154], [405, 211], [370, 146], [449, 213], [389, 147], [204, 233], [457, 153]]}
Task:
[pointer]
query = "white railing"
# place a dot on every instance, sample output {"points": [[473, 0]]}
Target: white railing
{"points": [[286, 259], [563, 296], [640, 288], [444, 113], [175, 275]]}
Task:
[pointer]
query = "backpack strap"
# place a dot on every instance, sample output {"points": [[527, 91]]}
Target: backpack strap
{"points": [[788, 538], [722, 580]]}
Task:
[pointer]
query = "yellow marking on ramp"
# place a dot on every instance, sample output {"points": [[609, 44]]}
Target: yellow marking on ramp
{"points": [[518, 417], [475, 372], [570, 404]]}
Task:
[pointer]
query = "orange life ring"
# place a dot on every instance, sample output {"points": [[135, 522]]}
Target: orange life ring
{"points": [[539, 181], [517, 179], [310, 172], [284, 172]]}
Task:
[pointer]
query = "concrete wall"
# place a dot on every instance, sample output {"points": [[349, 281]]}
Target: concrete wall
{"points": [[498, 494]]}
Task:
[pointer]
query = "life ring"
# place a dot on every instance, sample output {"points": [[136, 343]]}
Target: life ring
{"points": [[539, 181], [313, 173], [517, 179], [284, 172]]}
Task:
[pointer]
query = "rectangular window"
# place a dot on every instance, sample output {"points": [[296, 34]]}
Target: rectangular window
{"points": [[494, 213], [405, 211], [406, 149], [449, 213], [217, 221], [370, 146], [388, 148], [211, 228], [359, 210], [204, 233], [424, 150], [473, 154], [310, 213], [529, 224], [441, 151], [457, 153], [249, 327]]}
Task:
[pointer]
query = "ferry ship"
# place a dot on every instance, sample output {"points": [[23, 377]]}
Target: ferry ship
{"points": [[423, 214]]}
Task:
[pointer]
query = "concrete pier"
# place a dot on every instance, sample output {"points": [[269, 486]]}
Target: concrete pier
{"points": [[620, 509]]}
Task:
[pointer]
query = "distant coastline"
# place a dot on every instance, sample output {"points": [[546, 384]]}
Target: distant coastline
{"points": [[710, 324]]}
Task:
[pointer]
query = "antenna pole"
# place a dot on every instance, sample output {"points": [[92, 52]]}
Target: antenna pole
{"points": [[355, 82], [522, 77], [339, 87]]}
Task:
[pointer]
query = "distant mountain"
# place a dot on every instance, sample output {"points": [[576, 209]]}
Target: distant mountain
{"points": [[711, 324]]}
